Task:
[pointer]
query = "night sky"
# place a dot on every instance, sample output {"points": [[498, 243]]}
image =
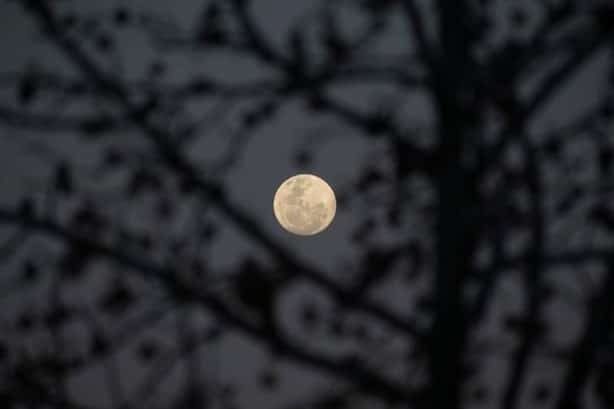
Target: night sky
{"points": [[141, 144]]}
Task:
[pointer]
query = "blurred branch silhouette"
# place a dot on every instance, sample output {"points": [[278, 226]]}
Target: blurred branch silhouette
{"points": [[481, 196]]}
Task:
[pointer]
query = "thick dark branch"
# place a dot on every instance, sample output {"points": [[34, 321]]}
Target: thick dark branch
{"points": [[183, 291], [455, 238], [359, 73], [25, 387], [593, 338], [199, 86], [34, 394], [490, 278], [338, 398], [551, 85], [255, 36], [533, 283], [45, 81], [50, 122], [205, 87], [425, 49]]}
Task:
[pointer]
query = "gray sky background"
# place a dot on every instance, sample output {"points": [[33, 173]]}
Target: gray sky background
{"points": [[263, 165]]}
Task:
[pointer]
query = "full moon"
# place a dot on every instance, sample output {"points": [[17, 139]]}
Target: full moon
{"points": [[304, 204]]}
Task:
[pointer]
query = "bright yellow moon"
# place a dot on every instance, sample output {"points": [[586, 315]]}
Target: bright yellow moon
{"points": [[304, 204]]}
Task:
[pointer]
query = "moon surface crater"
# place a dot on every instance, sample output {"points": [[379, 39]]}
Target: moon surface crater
{"points": [[304, 204]]}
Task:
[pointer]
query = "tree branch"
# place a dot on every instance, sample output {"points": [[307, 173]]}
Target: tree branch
{"points": [[209, 190], [533, 282], [593, 337], [54, 123], [425, 49], [547, 88], [358, 375]]}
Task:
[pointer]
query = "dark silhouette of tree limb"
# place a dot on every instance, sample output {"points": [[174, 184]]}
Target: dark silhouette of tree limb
{"points": [[532, 320], [183, 291], [209, 189], [592, 339], [470, 200]]}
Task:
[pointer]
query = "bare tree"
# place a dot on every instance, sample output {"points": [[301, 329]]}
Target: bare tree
{"points": [[481, 194]]}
